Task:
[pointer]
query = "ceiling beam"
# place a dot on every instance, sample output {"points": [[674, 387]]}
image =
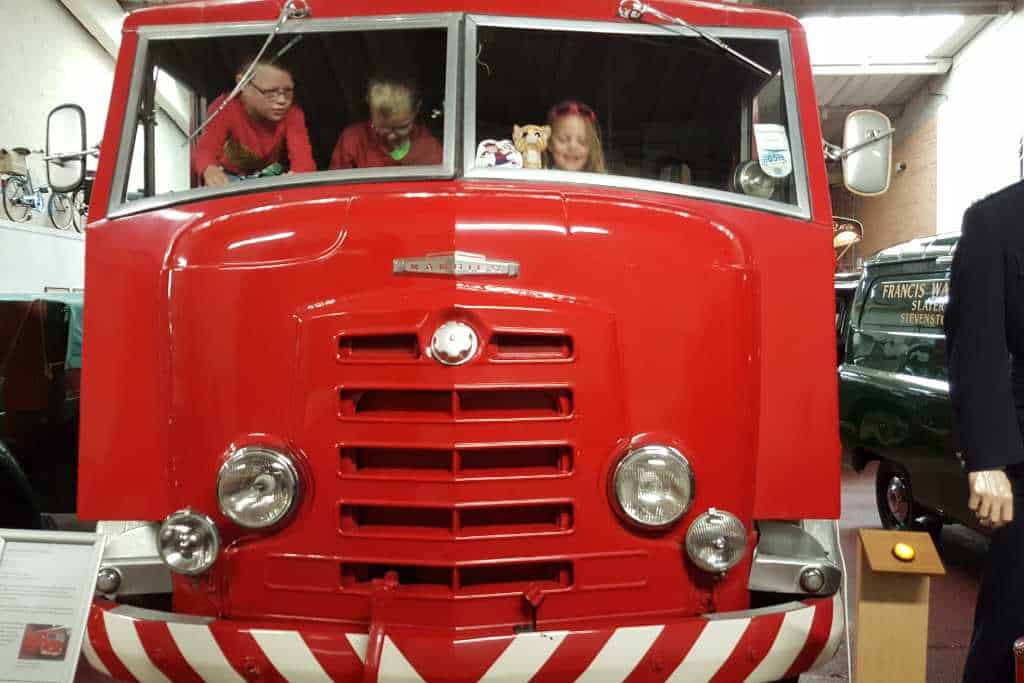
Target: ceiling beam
{"points": [[935, 67]]}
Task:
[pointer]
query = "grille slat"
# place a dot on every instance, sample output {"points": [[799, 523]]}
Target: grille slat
{"points": [[531, 347], [491, 579], [441, 405], [502, 462], [450, 522]]}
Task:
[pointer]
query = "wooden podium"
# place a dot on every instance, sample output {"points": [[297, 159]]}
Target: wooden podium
{"points": [[892, 606]]}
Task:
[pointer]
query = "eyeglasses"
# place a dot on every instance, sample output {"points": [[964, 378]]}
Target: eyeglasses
{"points": [[570, 107], [274, 93], [400, 131]]}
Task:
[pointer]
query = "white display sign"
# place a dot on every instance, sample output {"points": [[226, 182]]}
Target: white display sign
{"points": [[773, 151], [47, 579]]}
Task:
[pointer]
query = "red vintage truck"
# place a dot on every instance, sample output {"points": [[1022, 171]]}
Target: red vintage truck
{"points": [[468, 421]]}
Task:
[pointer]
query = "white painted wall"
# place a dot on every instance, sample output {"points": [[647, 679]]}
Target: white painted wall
{"points": [[50, 58], [34, 258], [981, 120]]}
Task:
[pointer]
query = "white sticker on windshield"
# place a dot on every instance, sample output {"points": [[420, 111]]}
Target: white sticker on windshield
{"points": [[773, 149]]}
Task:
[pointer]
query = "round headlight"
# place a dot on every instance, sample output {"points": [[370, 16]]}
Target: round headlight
{"points": [[653, 485], [188, 542], [716, 541], [750, 179], [257, 487]]}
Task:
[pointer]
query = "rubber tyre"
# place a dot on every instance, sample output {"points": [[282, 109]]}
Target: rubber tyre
{"points": [[13, 189], [895, 498], [80, 210], [18, 509], [61, 209]]}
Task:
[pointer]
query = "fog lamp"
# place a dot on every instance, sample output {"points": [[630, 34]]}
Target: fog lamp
{"points": [[716, 541], [188, 542], [653, 485], [751, 179], [257, 487]]}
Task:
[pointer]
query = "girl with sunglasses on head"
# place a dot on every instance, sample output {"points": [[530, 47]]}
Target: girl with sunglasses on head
{"points": [[392, 136], [575, 143], [256, 132]]}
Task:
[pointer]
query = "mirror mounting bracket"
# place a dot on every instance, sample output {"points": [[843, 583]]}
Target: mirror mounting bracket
{"points": [[834, 152]]}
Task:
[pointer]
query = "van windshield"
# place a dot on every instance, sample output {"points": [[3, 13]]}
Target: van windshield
{"points": [[637, 106]]}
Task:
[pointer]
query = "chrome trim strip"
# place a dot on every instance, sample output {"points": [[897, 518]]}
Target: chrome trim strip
{"points": [[451, 21], [850, 371], [382, 22], [125, 149], [132, 612], [801, 210], [759, 611]]}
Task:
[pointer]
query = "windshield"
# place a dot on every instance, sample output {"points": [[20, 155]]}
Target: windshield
{"points": [[349, 101], [644, 107], [657, 106]]}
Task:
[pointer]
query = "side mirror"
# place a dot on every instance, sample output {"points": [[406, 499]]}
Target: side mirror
{"points": [[867, 152], [65, 148]]}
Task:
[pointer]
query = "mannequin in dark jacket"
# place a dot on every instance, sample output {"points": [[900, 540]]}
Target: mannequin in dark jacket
{"points": [[985, 348]]}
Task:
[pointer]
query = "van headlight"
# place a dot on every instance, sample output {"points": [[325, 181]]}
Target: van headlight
{"points": [[653, 486], [257, 487], [716, 541], [188, 542]]}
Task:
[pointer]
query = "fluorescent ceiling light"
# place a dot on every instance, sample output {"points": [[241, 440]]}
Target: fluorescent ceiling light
{"points": [[878, 40]]}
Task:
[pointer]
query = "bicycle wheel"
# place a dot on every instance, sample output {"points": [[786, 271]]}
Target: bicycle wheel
{"points": [[79, 210], [14, 187], [61, 210]]}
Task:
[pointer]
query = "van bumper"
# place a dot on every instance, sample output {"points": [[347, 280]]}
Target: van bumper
{"points": [[765, 644]]}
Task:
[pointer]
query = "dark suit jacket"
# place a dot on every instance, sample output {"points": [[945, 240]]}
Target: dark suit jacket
{"points": [[985, 328]]}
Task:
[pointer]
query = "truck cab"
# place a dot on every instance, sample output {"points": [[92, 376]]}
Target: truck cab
{"points": [[548, 423]]}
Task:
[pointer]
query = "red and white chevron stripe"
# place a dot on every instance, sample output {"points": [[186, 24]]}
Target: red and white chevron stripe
{"points": [[758, 645]]}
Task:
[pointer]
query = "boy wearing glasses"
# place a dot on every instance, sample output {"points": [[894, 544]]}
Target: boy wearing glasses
{"points": [[256, 132], [392, 136]]}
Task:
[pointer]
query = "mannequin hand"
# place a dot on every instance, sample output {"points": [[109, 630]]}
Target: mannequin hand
{"points": [[214, 176], [991, 497]]}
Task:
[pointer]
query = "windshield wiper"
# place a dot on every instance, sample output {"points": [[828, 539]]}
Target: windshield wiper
{"points": [[293, 9], [635, 10]]}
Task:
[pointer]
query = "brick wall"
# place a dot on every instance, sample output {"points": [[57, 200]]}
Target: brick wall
{"points": [[908, 209]]}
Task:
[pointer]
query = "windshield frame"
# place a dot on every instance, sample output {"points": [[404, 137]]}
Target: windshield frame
{"points": [[802, 209], [118, 206]]}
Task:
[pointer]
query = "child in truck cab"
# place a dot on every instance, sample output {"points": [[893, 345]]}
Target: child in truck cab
{"points": [[257, 132], [392, 136], [575, 143]]}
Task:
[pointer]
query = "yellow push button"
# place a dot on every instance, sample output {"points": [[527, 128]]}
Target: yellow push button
{"points": [[904, 552]]}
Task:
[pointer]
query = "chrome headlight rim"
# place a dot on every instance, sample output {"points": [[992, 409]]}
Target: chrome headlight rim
{"points": [[649, 450], [690, 543], [183, 516], [282, 457]]}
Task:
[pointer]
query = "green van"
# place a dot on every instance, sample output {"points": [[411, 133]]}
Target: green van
{"points": [[894, 389]]}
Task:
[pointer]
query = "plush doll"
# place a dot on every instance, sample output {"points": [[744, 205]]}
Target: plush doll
{"points": [[492, 153], [531, 141]]}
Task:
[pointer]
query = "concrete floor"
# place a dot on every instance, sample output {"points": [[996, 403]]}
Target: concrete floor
{"points": [[952, 595]]}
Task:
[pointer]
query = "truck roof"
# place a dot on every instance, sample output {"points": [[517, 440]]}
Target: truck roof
{"points": [[704, 12], [920, 249]]}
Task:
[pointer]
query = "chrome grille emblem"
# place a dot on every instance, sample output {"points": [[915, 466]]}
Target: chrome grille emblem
{"points": [[454, 343], [456, 263]]}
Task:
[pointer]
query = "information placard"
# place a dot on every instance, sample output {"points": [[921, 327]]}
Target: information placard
{"points": [[47, 579]]}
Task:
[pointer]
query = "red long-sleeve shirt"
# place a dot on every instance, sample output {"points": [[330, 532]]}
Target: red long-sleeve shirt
{"points": [[359, 147], [243, 145]]}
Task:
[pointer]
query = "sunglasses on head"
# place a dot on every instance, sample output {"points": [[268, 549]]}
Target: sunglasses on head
{"points": [[567, 108]]}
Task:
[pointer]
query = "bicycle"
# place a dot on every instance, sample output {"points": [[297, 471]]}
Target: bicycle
{"points": [[80, 203], [21, 196]]}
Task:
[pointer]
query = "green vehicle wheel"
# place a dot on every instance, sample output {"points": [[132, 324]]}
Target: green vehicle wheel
{"points": [[895, 498]]}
